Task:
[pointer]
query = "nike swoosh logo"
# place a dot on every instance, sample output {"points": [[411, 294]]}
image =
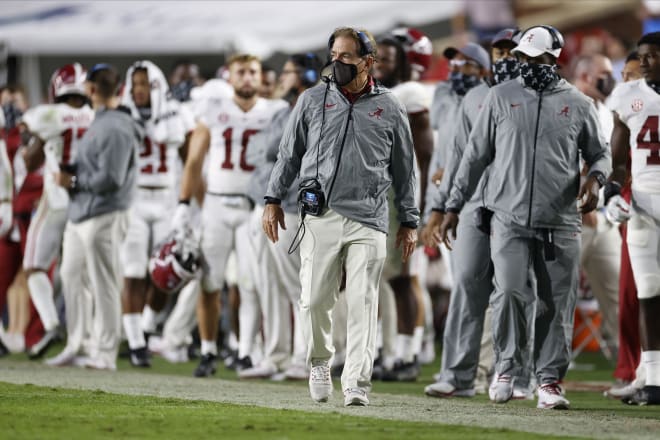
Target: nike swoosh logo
{"points": [[330, 105], [515, 105]]}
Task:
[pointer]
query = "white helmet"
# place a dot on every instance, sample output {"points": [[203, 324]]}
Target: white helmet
{"points": [[538, 40]]}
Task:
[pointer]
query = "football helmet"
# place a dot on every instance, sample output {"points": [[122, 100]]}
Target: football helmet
{"points": [[417, 45], [67, 80], [175, 261]]}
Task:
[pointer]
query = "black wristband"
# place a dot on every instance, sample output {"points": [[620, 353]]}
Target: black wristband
{"points": [[410, 225], [453, 210], [272, 200], [600, 177], [184, 201], [441, 211], [611, 189]]}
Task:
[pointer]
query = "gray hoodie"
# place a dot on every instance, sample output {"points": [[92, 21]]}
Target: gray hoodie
{"points": [[365, 148], [533, 143], [105, 165]]}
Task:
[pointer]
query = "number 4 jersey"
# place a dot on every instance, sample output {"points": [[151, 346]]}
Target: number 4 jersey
{"points": [[61, 127], [231, 129], [638, 106]]}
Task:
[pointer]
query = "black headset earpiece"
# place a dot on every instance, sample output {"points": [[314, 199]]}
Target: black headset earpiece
{"points": [[366, 47], [557, 39]]}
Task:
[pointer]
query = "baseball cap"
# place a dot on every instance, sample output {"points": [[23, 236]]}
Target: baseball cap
{"points": [[511, 35], [538, 40], [470, 50]]}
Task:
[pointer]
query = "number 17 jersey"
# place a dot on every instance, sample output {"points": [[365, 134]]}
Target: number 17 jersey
{"points": [[231, 129], [638, 107]]}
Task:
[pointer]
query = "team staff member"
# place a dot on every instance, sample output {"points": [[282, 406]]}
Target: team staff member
{"points": [[532, 132], [358, 134], [101, 184]]}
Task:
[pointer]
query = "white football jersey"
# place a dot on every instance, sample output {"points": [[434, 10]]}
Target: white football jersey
{"points": [[61, 127], [158, 162], [414, 96], [638, 106], [231, 129]]}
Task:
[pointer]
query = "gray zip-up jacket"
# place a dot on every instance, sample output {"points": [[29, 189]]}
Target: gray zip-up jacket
{"points": [[105, 165], [467, 113], [533, 143], [262, 153], [365, 148]]}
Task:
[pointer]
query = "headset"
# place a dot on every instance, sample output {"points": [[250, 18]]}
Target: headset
{"points": [[366, 48], [557, 39]]}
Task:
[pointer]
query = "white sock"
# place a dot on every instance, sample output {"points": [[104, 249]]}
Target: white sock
{"points": [[404, 348], [41, 293], [133, 330], [651, 361], [232, 341], [148, 321], [209, 347], [417, 340]]}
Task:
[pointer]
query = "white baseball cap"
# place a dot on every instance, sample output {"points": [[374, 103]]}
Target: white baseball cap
{"points": [[538, 40]]}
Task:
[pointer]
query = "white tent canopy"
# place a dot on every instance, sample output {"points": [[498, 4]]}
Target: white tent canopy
{"points": [[260, 27]]}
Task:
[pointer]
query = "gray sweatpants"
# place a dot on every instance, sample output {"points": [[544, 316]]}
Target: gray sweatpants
{"points": [[514, 249], [473, 274]]}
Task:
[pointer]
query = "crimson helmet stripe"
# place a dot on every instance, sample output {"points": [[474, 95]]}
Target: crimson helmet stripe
{"points": [[67, 80]]}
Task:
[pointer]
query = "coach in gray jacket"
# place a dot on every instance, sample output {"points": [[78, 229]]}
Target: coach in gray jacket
{"points": [[350, 141], [100, 184], [532, 132]]}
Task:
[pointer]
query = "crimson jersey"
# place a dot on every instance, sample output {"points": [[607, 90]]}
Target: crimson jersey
{"points": [[231, 129], [158, 157], [638, 107], [61, 127]]}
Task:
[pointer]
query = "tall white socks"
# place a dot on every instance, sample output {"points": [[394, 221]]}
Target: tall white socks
{"points": [[133, 328], [651, 362]]}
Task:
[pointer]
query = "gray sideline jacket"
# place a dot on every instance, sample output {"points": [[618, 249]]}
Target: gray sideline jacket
{"points": [[262, 153], [365, 148], [534, 143], [467, 113], [105, 165]]}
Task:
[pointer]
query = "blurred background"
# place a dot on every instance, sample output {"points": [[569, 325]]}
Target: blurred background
{"points": [[36, 37]]}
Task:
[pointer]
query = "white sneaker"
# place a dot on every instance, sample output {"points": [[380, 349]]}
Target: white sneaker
{"points": [[174, 355], [355, 397], [522, 393], [296, 372], [96, 363], [15, 342], [501, 390], [262, 371], [621, 391], [320, 381], [551, 396], [445, 389], [65, 358]]}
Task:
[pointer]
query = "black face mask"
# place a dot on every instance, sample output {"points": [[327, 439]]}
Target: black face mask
{"points": [[462, 83], [505, 69], [538, 76], [343, 73], [181, 90], [605, 85], [12, 114]]}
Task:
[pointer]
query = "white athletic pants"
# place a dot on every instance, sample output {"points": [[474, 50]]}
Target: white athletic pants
{"points": [[330, 241], [91, 250]]}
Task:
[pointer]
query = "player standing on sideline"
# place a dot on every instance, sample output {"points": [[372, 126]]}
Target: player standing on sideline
{"points": [[167, 127], [224, 129], [54, 131], [636, 107], [405, 53], [473, 270], [101, 184], [532, 132], [349, 140], [6, 194], [278, 270]]}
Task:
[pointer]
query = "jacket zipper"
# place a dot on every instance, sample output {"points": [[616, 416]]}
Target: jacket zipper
{"points": [[341, 148], [536, 133]]}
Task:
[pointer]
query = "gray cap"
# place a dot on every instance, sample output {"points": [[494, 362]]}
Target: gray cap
{"points": [[473, 51]]}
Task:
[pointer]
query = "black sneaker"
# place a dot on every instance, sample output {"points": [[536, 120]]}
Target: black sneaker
{"points": [[206, 366], [139, 357], [243, 364], [46, 341], [402, 372], [649, 395], [4, 351]]}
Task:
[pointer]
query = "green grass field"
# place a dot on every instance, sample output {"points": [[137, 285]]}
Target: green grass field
{"points": [[165, 402]]}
